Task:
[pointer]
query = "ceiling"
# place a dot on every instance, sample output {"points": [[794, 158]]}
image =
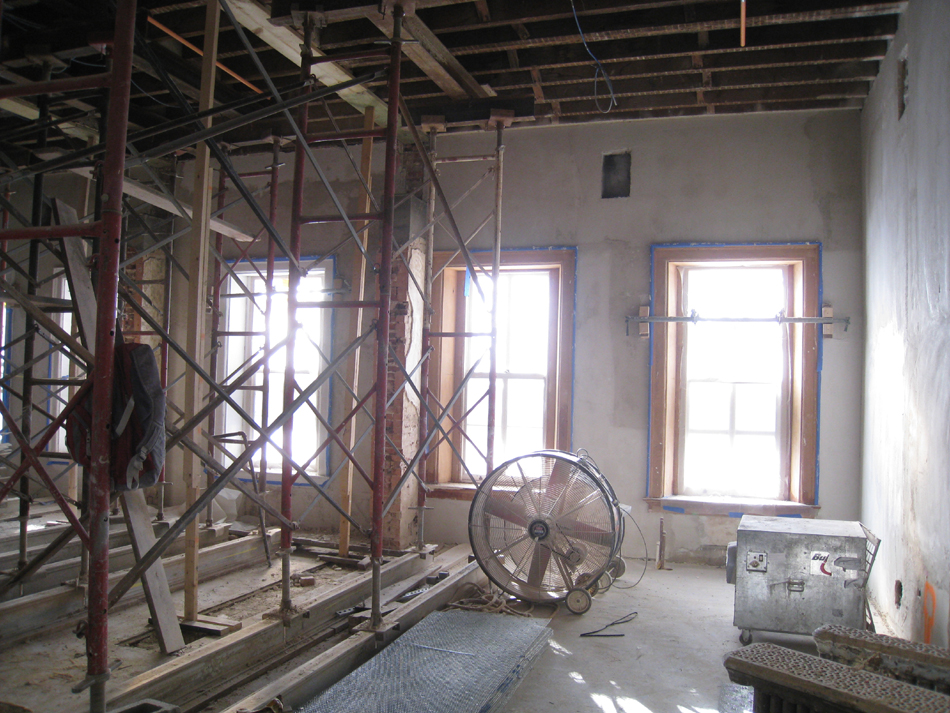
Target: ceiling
{"points": [[535, 60]]}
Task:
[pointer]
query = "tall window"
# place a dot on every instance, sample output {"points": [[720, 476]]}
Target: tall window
{"points": [[734, 390], [524, 365], [533, 385], [244, 324]]}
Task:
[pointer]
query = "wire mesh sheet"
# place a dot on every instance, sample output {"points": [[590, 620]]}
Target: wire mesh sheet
{"points": [[460, 661]]}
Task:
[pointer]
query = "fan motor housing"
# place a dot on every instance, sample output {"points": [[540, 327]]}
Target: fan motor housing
{"points": [[539, 530]]}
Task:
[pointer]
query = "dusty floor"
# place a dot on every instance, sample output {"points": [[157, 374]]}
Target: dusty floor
{"points": [[668, 661], [38, 673]]}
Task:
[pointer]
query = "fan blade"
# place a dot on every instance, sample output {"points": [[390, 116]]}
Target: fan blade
{"points": [[539, 565], [588, 533], [503, 509], [557, 483]]}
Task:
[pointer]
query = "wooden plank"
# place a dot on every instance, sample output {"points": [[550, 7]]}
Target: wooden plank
{"points": [[212, 625], [121, 556], [433, 57], [64, 606], [197, 261], [305, 682], [154, 582], [175, 681], [358, 292], [160, 200], [254, 17], [80, 288]]}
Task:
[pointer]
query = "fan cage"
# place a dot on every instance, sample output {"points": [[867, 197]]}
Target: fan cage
{"points": [[544, 523]]}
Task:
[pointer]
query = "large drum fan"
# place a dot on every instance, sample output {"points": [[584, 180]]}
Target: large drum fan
{"points": [[545, 527]]}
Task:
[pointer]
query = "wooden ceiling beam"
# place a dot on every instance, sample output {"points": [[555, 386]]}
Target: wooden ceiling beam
{"points": [[799, 24], [663, 12], [432, 57], [256, 19]]}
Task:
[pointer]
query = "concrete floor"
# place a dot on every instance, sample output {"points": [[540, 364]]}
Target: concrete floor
{"points": [[668, 661]]}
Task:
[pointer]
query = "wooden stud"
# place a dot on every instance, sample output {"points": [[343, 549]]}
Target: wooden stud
{"points": [[197, 265], [358, 292]]}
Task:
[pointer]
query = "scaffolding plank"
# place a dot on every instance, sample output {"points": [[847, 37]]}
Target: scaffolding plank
{"points": [[154, 581], [159, 200], [47, 611]]}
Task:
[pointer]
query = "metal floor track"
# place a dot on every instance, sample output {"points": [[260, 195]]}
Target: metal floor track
{"points": [[460, 661]]}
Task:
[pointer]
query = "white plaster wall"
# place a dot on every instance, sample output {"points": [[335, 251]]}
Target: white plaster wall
{"points": [[907, 204], [768, 177]]}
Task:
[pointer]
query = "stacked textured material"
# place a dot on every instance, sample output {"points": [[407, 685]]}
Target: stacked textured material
{"points": [[460, 661]]}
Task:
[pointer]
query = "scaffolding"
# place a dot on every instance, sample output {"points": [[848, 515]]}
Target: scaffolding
{"points": [[112, 295]]}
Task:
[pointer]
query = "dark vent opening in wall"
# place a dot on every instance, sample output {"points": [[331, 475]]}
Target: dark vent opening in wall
{"points": [[616, 175]]}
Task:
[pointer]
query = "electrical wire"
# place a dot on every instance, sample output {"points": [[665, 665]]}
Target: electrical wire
{"points": [[625, 619], [597, 72], [646, 555]]}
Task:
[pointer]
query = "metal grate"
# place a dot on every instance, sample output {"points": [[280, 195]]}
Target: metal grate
{"points": [[459, 661], [822, 680]]}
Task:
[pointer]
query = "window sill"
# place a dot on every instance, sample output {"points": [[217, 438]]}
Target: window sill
{"points": [[729, 507], [451, 491]]}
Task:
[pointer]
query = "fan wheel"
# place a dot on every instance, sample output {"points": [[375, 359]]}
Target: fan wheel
{"points": [[578, 601], [543, 525]]}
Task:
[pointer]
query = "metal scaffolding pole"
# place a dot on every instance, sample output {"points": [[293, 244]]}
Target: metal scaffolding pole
{"points": [[97, 642], [384, 295]]}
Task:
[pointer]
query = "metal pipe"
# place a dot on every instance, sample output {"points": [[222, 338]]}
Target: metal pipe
{"points": [[76, 157], [495, 277], [777, 319], [243, 120], [49, 232], [269, 305], [26, 415], [215, 325], [55, 86], [426, 342], [293, 282], [353, 135], [175, 36], [345, 56], [163, 372], [384, 294], [97, 641]]}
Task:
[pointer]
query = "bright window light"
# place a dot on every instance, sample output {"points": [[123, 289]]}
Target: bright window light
{"points": [[309, 359], [521, 386], [734, 377]]}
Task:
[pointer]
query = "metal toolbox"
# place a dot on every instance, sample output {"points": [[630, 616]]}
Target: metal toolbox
{"points": [[794, 575]]}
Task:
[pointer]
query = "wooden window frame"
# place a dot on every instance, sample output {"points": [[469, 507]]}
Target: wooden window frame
{"points": [[667, 383], [448, 303]]}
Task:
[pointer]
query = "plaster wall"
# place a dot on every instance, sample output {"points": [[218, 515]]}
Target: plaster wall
{"points": [[768, 177], [906, 492]]}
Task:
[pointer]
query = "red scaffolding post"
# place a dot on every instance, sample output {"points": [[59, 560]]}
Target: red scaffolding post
{"points": [[382, 326], [97, 643]]}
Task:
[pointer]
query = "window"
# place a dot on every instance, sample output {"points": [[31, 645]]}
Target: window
{"points": [[734, 393], [243, 323], [533, 386]]}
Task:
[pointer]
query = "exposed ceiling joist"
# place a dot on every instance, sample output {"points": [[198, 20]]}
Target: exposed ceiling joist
{"points": [[255, 18]]}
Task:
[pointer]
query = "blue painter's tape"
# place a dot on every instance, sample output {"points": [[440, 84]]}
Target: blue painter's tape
{"points": [[791, 514], [671, 508], [736, 514]]}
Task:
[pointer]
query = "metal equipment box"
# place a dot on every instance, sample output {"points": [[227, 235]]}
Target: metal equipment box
{"points": [[794, 575]]}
